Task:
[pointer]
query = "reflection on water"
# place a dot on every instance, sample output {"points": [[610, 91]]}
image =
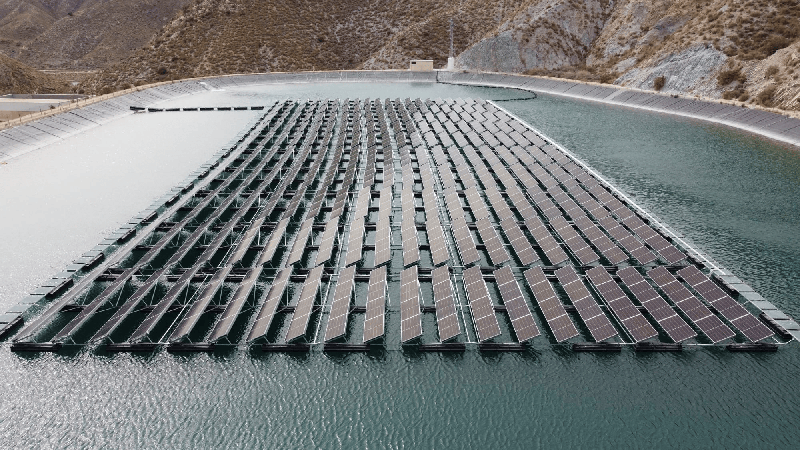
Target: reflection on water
{"points": [[731, 193]]}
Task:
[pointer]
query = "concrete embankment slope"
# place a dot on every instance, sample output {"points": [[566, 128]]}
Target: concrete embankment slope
{"points": [[766, 123], [37, 130]]}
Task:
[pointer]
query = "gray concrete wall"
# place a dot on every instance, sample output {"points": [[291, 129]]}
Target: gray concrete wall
{"points": [[769, 124]]}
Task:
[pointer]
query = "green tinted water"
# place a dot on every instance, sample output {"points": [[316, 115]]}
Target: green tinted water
{"points": [[730, 193]]}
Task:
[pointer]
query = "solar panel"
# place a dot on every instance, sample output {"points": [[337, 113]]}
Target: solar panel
{"points": [[553, 311], [454, 207], [270, 305], [636, 324], [326, 242], [499, 204], [302, 312], [610, 250], [436, 240], [574, 241], [340, 307], [376, 305], [446, 312], [383, 241], [480, 304], [355, 241], [693, 308], [199, 306], [409, 235], [247, 238], [654, 240], [385, 204], [476, 203], [362, 203], [299, 246], [463, 238], [594, 318], [546, 241], [546, 205], [410, 312], [630, 243], [520, 244], [735, 313], [448, 181], [234, 307], [677, 329], [520, 202], [494, 246], [521, 318], [467, 179], [566, 203]]}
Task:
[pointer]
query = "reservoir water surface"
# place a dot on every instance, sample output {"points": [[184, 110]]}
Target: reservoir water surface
{"points": [[730, 193]]}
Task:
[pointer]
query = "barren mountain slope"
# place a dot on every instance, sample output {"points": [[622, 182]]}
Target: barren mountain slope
{"points": [[226, 36], [70, 34], [16, 77], [719, 48], [746, 50]]}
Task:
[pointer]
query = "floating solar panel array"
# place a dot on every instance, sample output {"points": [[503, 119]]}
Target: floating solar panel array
{"points": [[274, 247]]}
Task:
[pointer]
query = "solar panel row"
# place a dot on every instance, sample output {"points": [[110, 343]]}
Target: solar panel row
{"points": [[305, 305], [553, 311], [410, 312], [355, 241], [494, 246], [609, 250], [693, 308], [340, 306], [234, 306], [735, 313], [594, 318], [636, 324], [677, 329], [433, 226], [574, 241], [326, 242], [374, 320], [480, 305], [546, 241], [522, 320], [446, 313], [273, 299], [464, 243], [409, 229]]}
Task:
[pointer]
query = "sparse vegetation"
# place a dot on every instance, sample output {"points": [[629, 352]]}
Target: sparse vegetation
{"points": [[659, 82], [766, 96], [727, 77], [771, 71], [212, 37]]}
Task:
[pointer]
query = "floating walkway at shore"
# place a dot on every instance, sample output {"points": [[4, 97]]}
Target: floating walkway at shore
{"points": [[421, 225]]}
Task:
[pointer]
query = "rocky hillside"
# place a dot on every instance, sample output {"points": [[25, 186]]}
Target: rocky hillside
{"points": [[16, 77], [80, 34], [748, 50], [235, 36]]}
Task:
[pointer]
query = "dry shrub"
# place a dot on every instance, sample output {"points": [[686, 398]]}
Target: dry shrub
{"points": [[767, 96], [659, 82], [771, 71], [727, 77]]}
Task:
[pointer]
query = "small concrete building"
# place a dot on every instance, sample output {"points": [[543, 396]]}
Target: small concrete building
{"points": [[421, 65]]}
